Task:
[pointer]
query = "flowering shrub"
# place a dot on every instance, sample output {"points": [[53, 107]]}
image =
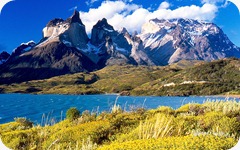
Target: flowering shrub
{"points": [[209, 126], [209, 142]]}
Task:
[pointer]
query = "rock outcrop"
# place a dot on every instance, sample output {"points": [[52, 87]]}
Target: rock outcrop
{"points": [[3, 57], [71, 32], [113, 47]]}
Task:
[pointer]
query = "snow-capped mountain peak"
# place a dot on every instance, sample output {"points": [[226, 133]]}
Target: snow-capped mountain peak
{"points": [[168, 41], [71, 32]]}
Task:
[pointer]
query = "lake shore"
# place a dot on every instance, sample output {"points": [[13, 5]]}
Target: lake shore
{"points": [[132, 130], [231, 95]]}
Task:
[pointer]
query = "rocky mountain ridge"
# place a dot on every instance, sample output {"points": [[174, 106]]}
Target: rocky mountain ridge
{"points": [[168, 41], [66, 48], [3, 57]]}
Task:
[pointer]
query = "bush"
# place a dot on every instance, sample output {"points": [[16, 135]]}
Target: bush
{"points": [[21, 140], [230, 108], [69, 137], [220, 124], [73, 113], [162, 109], [87, 117], [191, 108], [24, 123]]}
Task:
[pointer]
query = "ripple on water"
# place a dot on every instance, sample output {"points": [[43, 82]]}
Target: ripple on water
{"points": [[34, 106]]}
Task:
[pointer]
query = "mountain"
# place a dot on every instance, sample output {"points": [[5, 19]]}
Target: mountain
{"points": [[168, 41], [71, 32], [66, 48], [24, 47], [56, 54], [110, 45], [3, 57]]}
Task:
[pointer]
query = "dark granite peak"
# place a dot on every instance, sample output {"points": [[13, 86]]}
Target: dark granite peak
{"points": [[4, 55], [75, 18], [103, 24]]}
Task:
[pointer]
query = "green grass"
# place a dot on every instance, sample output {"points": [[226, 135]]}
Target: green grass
{"points": [[193, 126], [181, 79]]}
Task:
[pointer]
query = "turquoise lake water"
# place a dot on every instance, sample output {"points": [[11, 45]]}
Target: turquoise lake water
{"points": [[42, 108]]}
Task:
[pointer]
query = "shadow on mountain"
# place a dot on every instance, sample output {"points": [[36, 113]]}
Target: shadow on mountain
{"points": [[41, 63]]}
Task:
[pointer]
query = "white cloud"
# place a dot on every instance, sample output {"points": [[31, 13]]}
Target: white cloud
{"points": [[120, 14], [219, 3], [109, 10], [164, 5], [206, 12]]}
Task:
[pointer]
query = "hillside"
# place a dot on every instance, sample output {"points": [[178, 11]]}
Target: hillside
{"points": [[179, 79], [212, 78]]}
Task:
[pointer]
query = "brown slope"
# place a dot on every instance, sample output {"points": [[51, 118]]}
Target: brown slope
{"points": [[44, 62]]}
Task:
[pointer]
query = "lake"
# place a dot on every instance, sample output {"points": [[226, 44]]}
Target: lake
{"points": [[42, 108]]}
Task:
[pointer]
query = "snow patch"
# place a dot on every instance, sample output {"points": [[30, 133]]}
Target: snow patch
{"points": [[31, 43], [67, 43], [169, 30], [150, 27], [81, 25], [108, 30], [92, 49], [197, 33], [191, 42], [121, 49], [153, 39]]}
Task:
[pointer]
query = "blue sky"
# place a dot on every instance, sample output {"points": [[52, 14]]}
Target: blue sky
{"points": [[23, 20]]}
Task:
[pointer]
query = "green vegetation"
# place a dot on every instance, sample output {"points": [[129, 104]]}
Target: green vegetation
{"points": [[213, 125], [72, 114], [24, 123], [180, 79]]}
